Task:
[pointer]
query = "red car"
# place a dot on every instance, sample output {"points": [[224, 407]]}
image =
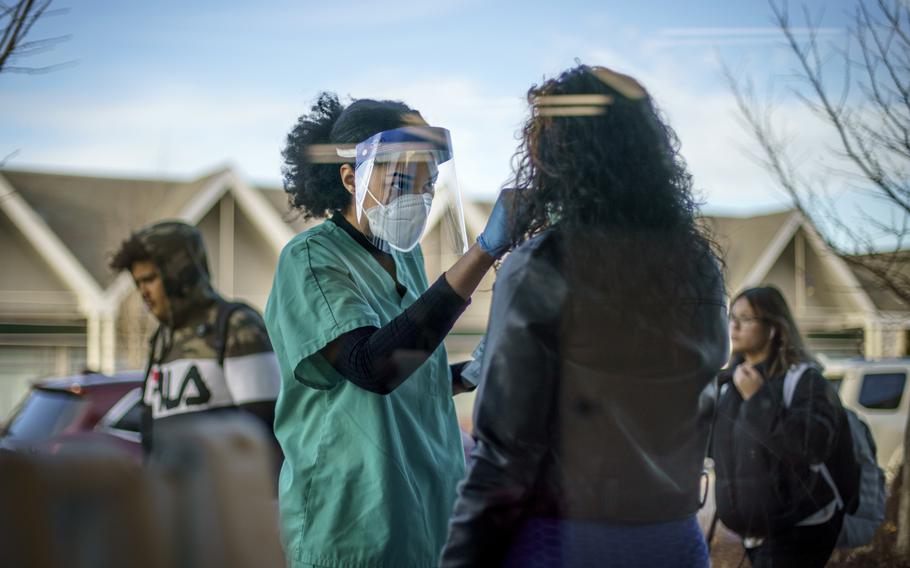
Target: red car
{"points": [[84, 410]]}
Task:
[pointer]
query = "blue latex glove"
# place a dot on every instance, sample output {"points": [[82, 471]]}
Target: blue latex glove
{"points": [[496, 237]]}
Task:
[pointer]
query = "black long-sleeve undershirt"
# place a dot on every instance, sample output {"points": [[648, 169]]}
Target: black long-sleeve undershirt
{"points": [[380, 359]]}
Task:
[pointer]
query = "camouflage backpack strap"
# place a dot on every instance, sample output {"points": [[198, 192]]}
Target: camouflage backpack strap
{"points": [[222, 323], [153, 342], [145, 424]]}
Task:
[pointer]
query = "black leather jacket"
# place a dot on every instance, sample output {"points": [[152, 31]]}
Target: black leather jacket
{"points": [[593, 402]]}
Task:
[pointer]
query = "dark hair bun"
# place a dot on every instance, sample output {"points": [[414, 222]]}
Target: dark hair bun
{"points": [[315, 188]]}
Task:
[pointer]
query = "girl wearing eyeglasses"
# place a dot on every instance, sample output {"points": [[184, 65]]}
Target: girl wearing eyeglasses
{"points": [[780, 438]]}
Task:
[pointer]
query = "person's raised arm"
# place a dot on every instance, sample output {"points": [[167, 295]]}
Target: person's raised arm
{"points": [[380, 359]]}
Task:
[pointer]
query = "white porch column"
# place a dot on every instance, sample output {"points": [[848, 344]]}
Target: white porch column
{"points": [[226, 246], [93, 341], [61, 361], [799, 249], [892, 337], [108, 343], [872, 340]]}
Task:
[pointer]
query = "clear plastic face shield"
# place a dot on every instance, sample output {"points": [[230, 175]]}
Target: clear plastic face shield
{"points": [[406, 187]]}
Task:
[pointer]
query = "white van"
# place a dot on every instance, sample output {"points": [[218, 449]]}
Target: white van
{"points": [[877, 392]]}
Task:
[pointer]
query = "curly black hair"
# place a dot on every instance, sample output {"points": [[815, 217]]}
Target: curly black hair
{"points": [[620, 167], [131, 251], [598, 161], [314, 187]]}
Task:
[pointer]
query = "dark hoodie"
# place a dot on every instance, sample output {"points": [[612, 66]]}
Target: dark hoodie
{"points": [[184, 376]]}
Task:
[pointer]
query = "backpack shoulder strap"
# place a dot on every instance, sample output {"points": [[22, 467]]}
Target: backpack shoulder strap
{"points": [[718, 390], [222, 323], [709, 446], [791, 381], [153, 342]]}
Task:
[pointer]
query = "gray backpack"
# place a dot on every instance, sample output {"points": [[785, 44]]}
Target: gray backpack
{"points": [[859, 524], [860, 527]]}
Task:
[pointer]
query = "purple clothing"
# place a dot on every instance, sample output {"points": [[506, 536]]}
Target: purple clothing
{"points": [[570, 543]]}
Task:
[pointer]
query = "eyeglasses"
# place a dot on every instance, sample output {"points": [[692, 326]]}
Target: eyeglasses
{"points": [[740, 321]]}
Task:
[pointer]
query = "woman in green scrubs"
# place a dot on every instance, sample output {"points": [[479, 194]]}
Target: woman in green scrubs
{"points": [[365, 416]]}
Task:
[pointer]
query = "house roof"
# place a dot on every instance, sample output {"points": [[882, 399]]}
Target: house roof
{"points": [[743, 240], [278, 199], [883, 298], [92, 214]]}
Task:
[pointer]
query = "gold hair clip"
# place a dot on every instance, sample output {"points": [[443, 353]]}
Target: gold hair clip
{"points": [[571, 105], [330, 153], [624, 85]]}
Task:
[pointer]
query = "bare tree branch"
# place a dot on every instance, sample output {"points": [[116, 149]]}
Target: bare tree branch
{"points": [[855, 147], [17, 21], [8, 157], [892, 122], [870, 112]]}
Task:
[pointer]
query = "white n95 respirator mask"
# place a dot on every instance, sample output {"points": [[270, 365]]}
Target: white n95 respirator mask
{"points": [[401, 223]]}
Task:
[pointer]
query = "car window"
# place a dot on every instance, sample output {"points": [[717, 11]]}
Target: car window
{"points": [[882, 391], [43, 414], [131, 420]]}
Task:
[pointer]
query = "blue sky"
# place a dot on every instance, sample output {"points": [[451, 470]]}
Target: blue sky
{"points": [[178, 88]]}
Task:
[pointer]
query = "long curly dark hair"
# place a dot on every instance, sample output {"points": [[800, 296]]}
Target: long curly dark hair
{"points": [[618, 168], [313, 186], [597, 160]]}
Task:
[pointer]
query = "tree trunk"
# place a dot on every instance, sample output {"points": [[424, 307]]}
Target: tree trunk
{"points": [[902, 547]]}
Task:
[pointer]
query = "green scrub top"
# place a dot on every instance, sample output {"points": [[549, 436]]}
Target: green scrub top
{"points": [[368, 479]]}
